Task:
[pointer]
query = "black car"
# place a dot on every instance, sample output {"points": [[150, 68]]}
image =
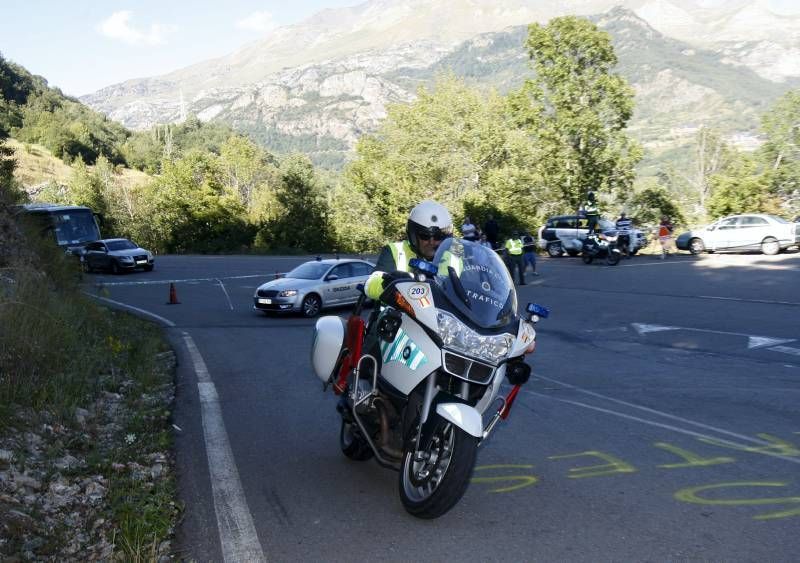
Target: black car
{"points": [[116, 255]]}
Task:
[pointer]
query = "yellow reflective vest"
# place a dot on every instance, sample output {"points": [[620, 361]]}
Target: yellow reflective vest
{"points": [[514, 246]]}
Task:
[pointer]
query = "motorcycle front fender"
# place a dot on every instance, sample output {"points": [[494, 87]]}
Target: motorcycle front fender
{"points": [[463, 416]]}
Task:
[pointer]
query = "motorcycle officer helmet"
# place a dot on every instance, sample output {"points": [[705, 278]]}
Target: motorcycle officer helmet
{"points": [[427, 220]]}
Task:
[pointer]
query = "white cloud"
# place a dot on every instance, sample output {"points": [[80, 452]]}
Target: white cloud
{"points": [[117, 26], [257, 21]]}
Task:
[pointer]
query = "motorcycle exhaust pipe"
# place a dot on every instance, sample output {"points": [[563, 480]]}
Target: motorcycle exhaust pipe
{"points": [[384, 439]]}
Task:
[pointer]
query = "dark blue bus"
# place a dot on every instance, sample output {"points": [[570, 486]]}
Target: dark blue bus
{"points": [[73, 226]]}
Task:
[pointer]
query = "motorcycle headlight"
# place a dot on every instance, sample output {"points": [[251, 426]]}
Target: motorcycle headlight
{"points": [[459, 337], [288, 293]]}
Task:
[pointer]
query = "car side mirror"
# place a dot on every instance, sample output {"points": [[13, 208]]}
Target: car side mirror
{"points": [[331, 277]]}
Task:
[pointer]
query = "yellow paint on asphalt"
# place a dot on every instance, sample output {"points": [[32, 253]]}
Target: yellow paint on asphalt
{"points": [[691, 459], [612, 466]]}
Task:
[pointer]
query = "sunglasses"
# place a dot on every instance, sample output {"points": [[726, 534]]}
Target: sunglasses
{"points": [[435, 236]]}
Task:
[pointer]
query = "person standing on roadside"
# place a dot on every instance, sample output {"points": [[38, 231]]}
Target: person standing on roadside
{"points": [[528, 253], [468, 230], [492, 230], [665, 236], [513, 248], [624, 224], [592, 212]]}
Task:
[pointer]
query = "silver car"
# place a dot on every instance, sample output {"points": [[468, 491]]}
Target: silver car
{"points": [[117, 255], [738, 233], [565, 233], [314, 285]]}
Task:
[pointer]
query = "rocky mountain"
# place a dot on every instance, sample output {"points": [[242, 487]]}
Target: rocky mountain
{"points": [[319, 85]]}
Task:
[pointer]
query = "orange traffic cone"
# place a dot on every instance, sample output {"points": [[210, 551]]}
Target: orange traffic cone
{"points": [[173, 296]]}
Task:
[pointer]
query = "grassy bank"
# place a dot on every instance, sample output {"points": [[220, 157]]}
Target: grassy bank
{"points": [[86, 469]]}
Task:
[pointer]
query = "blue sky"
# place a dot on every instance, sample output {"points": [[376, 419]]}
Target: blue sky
{"points": [[81, 46]]}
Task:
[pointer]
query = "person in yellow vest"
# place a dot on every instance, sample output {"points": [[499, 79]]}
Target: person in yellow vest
{"points": [[429, 223], [514, 250]]}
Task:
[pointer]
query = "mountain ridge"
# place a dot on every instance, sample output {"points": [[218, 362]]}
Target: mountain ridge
{"points": [[323, 107]]}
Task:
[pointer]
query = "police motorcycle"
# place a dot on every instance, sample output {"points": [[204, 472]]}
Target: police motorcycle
{"points": [[601, 245], [420, 385]]}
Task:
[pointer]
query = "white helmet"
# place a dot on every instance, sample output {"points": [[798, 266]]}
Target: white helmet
{"points": [[429, 219]]}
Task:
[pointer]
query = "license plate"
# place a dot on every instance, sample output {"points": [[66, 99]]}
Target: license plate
{"points": [[141, 261], [264, 301]]}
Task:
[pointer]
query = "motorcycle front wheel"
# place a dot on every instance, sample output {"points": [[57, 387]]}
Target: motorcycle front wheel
{"points": [[612, 258], [587, 258], [433, 480]]}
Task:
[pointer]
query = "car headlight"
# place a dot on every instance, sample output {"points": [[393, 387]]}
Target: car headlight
{"points": [[459, 337], [288, 293]]}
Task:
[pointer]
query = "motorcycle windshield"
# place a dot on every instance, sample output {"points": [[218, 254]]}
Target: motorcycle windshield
{"points": [[476, 282]]}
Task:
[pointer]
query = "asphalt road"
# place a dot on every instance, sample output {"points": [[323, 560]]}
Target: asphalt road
{"points": [[662, 422]]}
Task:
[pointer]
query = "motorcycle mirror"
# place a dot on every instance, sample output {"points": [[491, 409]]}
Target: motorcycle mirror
{"points": [[538, 310], [423, 266]]}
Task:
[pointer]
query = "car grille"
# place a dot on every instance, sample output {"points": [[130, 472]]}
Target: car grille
{"points": [[267, 293], [140, 257], [466, 368]]}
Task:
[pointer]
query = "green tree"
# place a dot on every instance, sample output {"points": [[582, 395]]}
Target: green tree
{"points": [[744, 188], [650, 204], [453, 144], [246, 168], [355, 227], [188, 209], [302, 223], [577, 110], [85, 188], [9, 189], [781, 124]]}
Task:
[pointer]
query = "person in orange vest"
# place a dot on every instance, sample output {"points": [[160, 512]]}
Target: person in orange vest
{"points": [[665, 236]]}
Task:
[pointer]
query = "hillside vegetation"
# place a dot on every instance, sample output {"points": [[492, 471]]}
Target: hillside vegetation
{"points": [[519, 152]]}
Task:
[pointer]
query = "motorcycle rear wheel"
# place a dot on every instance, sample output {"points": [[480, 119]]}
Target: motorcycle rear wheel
{"points": [[587, 258], [432, 486], [354, 445]]}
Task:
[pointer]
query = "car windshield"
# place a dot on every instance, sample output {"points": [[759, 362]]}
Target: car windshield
{"points": [[309, 271], [475, 281], [121, 245]]}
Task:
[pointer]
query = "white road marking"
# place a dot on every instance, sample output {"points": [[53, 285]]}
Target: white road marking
{"points": [[661, 424], [159, 318], [786, 350], [752, 340], [643, 328], [764, 341], [654, 411], [237, 532], [187, 280], [225, 291], [767, 301]]}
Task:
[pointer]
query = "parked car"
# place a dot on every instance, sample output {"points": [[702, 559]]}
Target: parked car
{"points": [[565, 233], [117, 255], [314, 285], [739, 233]]}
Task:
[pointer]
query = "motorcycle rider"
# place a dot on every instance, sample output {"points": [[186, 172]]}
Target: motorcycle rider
{"points": [[624, 224], [592, 212], [429, 223]]}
